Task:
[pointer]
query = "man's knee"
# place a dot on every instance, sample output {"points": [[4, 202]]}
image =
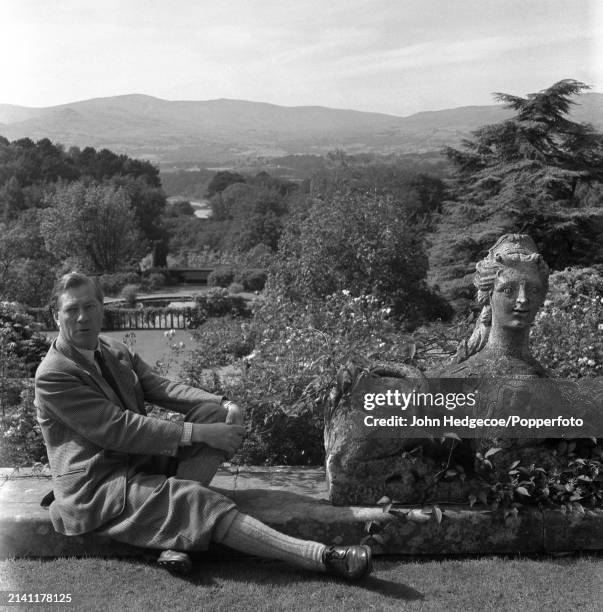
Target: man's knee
{"points": [[208, 411]]}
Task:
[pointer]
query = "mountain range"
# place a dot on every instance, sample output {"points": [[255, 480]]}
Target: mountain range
{"points": [[166, 131]]}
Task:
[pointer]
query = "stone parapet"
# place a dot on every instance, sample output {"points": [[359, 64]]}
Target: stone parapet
{"points": [[295, 501]]}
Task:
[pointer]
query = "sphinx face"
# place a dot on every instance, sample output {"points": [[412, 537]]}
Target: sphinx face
{"points": [[517, 295]]}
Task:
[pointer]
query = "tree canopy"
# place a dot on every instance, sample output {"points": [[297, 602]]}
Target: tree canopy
{"points": [[91, 226], [33, 175], [27, 167], [537, 173], [221, 180], [361, 243], [26, 267]]}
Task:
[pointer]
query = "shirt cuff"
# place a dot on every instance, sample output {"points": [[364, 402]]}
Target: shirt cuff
{"points": [[187, 434]]}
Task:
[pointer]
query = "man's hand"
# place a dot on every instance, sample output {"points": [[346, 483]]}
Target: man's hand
{"points": [[236, 414], [222, 436]]}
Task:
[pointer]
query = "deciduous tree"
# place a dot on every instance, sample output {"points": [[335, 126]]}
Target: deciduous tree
{"points": [[26, 267], [93, 225], [361, 243]]}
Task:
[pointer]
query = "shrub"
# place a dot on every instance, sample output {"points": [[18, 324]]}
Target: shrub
{"points": [[507, 483], [23, 443], [362, 243], [223, 340], [221, 277], [291, 355], [235, 288], [159, 277], [156, 280], [218, 303], [252, 279], [112, 284], [28, 281], [182, 207], [260, 255], [20, 342], [297, 351], [130, 295], [152, 282], [42, 315], [566, 338], [567, 285], [21, 350]]}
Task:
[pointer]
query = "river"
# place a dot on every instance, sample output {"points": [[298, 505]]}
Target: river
{"points": [[202, 208]]}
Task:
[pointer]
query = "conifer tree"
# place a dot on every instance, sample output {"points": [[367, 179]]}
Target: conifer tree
{"points": [[537, 173]]}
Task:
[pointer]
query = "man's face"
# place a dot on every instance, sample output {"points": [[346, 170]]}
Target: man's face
{"points": [[79, 317]]}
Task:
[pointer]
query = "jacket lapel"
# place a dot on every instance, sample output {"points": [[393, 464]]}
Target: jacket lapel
{"points": [[123, 376], [83, 364]]}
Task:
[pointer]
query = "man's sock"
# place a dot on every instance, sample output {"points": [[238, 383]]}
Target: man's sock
{"points": [[248, 535]]}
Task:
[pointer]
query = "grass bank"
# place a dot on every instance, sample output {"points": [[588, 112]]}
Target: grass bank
{"points": [[572, 583]]}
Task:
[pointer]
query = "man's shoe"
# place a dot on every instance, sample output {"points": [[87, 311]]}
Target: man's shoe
{"points": [[175, 562], [349, 562]]}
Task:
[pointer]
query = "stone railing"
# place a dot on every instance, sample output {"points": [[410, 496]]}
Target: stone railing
{"points": [[148, 318]]}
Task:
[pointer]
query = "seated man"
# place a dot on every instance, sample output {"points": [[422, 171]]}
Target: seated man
{"points": [[139, 479]]}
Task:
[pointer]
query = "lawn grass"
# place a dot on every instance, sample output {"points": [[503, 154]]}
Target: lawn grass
{"points": [[570, 583]]}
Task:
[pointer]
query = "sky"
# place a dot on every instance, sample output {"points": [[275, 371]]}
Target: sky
{"points": [[390, 56]]}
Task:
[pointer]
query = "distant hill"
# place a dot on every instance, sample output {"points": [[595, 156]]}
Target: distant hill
{"points": [[219, 130]]}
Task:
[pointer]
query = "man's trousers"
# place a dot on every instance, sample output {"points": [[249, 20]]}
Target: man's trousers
{"points": [[168, 502]]}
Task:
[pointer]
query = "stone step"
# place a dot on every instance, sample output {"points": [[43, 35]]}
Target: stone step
{"points": [[294, 501]]}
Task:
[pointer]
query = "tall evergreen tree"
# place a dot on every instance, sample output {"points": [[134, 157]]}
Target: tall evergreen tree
{"points": [[537, 173]]}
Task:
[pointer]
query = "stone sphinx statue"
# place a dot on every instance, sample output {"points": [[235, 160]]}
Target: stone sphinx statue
{"points": [[363, 465]]}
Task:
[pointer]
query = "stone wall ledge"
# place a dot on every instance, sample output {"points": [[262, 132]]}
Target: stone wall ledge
{"points": [[294, 500]]}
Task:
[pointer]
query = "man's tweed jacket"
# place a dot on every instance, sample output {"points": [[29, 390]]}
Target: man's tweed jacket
{"points": [[94, 444]]}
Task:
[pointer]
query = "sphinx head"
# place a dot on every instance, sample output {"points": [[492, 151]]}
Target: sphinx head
{"points": [[513, 281]]}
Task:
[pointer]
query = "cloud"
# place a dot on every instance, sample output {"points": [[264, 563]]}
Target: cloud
{"points": [[338, 53], [447, 52]]}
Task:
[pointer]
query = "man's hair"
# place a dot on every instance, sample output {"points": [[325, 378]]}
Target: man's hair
{"points": [[72, 280]]}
